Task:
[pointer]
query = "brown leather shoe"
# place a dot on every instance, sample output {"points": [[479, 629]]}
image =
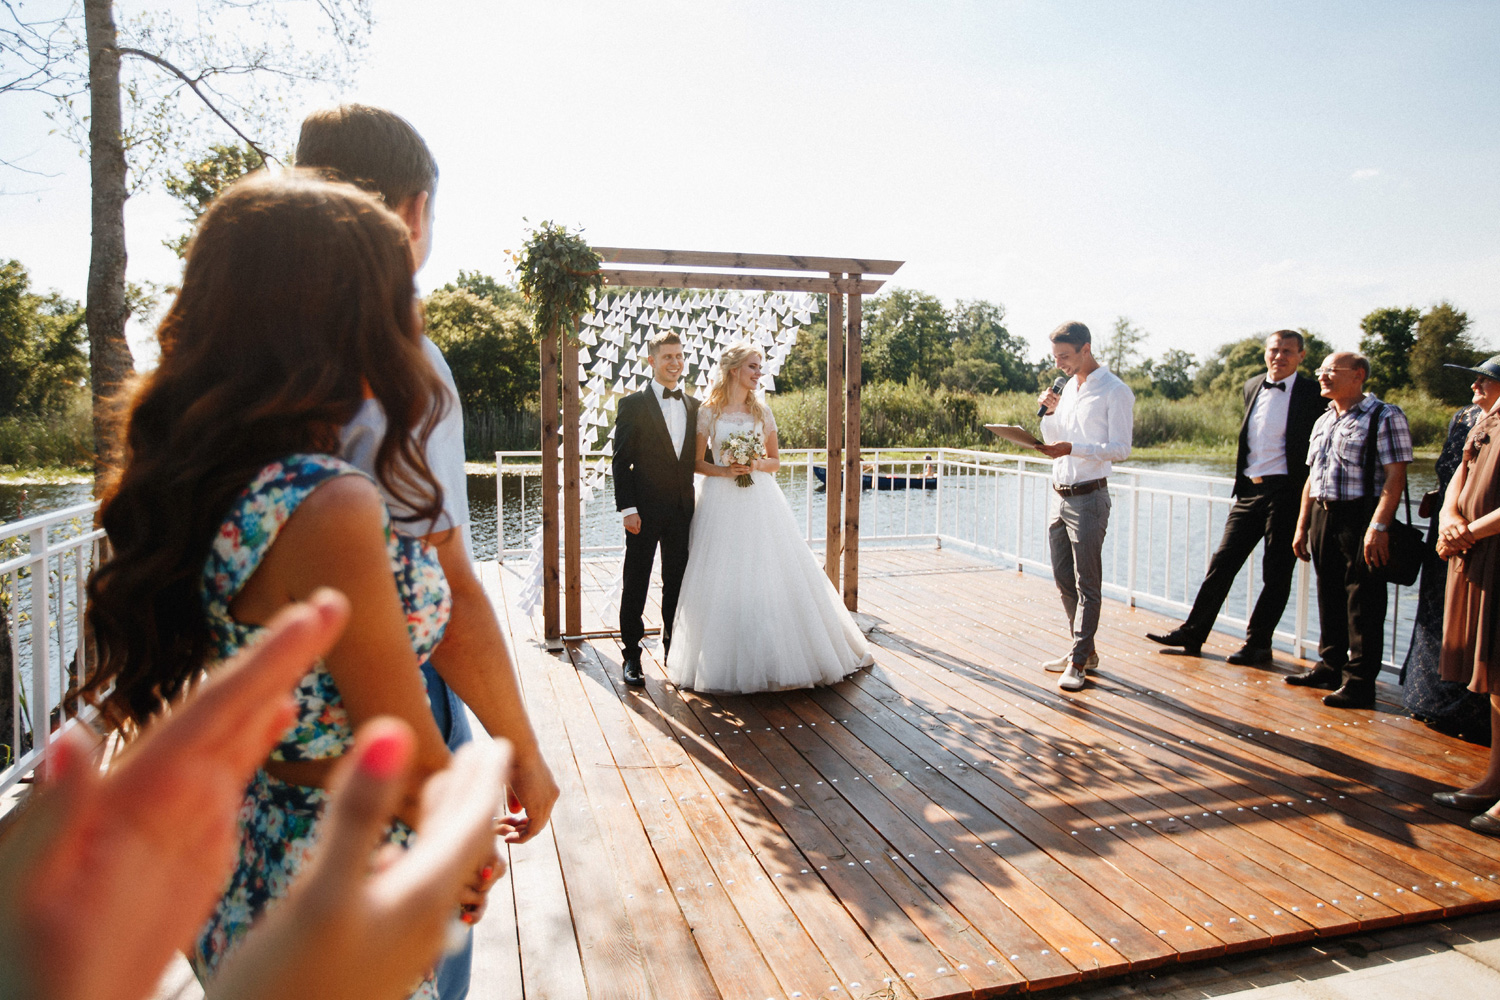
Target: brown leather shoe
{"points": [[1486, 824], [1351, 696], [1321, 676], [1465, 802]]}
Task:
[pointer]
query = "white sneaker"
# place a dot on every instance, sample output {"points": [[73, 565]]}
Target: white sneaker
{"points": [[1062, 663], [1075, 677]]}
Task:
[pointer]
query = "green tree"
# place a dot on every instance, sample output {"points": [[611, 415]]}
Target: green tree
{"points": [[986, 356], [1443, 339], [136, 94], [202, 179], [1172, 375], [1389, 335], [490, 348], [906, 334], [42, 361], [1121, 352]]}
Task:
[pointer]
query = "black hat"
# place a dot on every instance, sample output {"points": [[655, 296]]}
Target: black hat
{"points": [[1489, 369]]}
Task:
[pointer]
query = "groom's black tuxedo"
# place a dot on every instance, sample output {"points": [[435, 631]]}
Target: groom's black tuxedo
{"points": [[658, 482], [1265, 510]]}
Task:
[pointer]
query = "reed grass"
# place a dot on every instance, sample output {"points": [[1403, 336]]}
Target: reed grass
{"points": [[63, 440]]}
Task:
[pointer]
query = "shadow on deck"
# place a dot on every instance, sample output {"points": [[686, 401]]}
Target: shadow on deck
{"points": [[947, 823]]}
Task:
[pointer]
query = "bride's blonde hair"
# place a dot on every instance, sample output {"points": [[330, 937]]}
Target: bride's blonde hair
{"points": [[732, 359]]}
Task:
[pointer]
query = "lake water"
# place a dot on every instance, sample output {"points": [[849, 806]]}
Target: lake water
{"points": [[974, 509]]}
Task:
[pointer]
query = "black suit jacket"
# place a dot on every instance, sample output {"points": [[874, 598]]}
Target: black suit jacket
{"points": [[1307, 404], [648, 476]]}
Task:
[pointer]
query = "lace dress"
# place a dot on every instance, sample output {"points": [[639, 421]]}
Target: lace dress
{"points": [[757, 612], [278, 822]]}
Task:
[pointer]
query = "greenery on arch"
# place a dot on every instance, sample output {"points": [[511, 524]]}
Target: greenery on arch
{"points": [[558, 272]]}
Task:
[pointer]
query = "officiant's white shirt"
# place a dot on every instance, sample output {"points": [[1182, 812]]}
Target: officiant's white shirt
{"points": [[1098, 419]]}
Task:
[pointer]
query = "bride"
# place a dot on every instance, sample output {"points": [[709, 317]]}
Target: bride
{"points": [[757, 612]]}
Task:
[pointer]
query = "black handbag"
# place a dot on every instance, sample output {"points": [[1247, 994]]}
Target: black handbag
{"points": [[1408, 546]]}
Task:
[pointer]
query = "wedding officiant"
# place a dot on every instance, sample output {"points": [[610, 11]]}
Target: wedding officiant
{"points": [[1088, 426]]}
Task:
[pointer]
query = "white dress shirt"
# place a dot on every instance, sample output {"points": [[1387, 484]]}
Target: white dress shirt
{"points": [[674, 412], [1098, 419], [1266, 434]]}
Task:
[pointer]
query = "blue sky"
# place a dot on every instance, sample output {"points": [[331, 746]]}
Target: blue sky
{"points": [[1210, 170]]}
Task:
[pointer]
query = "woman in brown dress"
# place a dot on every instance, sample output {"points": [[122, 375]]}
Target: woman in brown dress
{"points": [[1467, 538]]}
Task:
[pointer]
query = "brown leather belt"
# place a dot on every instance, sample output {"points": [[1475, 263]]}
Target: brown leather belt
{"points": [[1079, 489]]}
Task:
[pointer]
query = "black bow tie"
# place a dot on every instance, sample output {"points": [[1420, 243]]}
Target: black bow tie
{"points": [[671, 394], [1276, 385]]}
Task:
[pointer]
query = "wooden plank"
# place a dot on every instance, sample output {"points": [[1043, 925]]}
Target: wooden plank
{"points": [[672, 963], [853, 474], [608, 951], [834, 441], [572, 513], [761, 261], [552, 624], [675, 818], [774, 786], [626, 278]]}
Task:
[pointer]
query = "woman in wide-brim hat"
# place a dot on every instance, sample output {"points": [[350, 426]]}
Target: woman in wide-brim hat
{"points": [[1467, 538]]}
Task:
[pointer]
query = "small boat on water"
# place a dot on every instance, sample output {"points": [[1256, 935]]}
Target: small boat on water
{"points": [[881, 481]]}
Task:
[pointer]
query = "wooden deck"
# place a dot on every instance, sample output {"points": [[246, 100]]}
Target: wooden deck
{"points": [[947, 823]]}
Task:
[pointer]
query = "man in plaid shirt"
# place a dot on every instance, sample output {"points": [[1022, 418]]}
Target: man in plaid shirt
{"points": [[1342, 528]]}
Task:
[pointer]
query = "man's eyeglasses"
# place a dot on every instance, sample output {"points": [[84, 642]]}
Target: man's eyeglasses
{"points": [[1329, 371]]}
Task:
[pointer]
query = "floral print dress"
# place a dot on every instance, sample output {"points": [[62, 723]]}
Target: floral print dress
{"points": [[277, 821]]}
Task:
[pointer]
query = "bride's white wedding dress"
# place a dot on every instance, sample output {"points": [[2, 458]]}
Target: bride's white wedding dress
{"points": [[757, 612]]}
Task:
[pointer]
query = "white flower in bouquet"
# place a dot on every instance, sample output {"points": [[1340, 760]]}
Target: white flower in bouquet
{"points": [[743, 448]]}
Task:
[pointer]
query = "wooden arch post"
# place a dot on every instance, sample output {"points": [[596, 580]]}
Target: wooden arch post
{"points": [[845, 276]]}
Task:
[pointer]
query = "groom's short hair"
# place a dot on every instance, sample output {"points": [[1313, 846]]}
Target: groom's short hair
{"points": [[659, 341], [371, 148]]}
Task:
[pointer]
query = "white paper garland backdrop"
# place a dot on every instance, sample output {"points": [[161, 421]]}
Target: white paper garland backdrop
{"points": [[612, 363]]}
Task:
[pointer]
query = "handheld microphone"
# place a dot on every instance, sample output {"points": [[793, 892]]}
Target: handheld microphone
{"points": [[1057, 387]]}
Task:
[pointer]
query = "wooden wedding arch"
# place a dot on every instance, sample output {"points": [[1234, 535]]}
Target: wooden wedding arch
{"points": [[842, 279]]}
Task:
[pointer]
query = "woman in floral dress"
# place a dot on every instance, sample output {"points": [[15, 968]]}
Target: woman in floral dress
{"points": [[296, 306]]}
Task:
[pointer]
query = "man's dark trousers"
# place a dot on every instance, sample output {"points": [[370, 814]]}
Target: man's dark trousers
{"points": [[1351, 603], [668, 528], [1264, 511]]}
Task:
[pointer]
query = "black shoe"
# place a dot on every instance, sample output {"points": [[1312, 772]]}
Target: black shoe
{"points": [[1486, 824], [1465, 802], [633, 675], [1250, 656], [1351, 696], [1322, 676], [1191, 644]]}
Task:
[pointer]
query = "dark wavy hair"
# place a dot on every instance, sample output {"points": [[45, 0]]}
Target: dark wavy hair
{"points": [[296, 299]]}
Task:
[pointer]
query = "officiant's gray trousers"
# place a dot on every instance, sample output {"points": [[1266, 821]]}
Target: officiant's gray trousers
{"points": [[1075, 535]]}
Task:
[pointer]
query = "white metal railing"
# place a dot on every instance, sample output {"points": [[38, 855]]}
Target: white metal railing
{"points": [[1164, 528], [45, 563], [1164, 525]]}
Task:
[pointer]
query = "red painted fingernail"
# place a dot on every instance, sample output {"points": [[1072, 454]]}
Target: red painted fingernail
{"points": [[486, 872], [384, 756], [467, 918]]}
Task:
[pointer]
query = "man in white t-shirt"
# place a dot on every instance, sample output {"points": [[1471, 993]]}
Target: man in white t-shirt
{"points": [[380, 151]]}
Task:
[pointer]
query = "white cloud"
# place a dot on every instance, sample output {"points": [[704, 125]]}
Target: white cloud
{"points": [[1364, 174]]}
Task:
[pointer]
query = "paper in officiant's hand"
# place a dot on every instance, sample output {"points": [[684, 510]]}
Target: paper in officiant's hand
{"points": [[1014, 433]]}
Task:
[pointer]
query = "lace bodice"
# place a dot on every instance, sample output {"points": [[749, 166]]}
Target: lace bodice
{"points": [[729, 423]]}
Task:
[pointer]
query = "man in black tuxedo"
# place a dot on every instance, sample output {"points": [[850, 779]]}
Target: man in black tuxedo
{"points": [[655, 436], [1280, 410]]}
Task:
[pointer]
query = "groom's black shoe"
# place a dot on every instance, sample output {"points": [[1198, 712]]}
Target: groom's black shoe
{"points": [[1190, 643], [633, 675]]}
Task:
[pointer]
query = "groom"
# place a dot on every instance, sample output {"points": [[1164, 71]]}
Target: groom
{"points": [[655, 435]]}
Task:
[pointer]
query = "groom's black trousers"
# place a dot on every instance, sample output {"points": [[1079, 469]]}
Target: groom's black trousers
{"points": [[667, 528]]}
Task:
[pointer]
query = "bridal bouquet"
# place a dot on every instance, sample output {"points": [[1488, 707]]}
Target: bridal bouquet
{"points": [[742, 449]]}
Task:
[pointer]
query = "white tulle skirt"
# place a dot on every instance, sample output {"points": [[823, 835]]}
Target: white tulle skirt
{"points": [[757, 612]]}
